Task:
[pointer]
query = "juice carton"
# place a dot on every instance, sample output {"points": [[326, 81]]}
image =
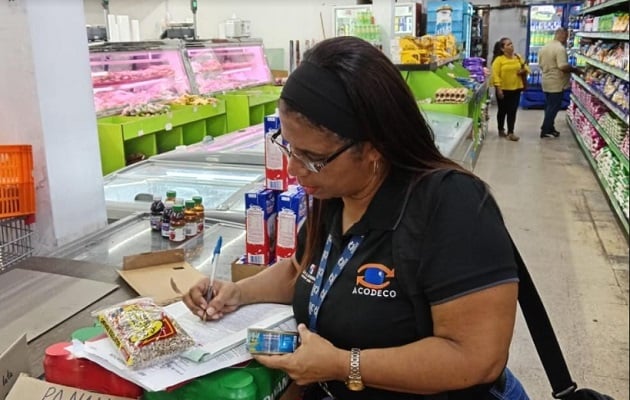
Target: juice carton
{"points": [[291, 216], [276, 174], [260, 225]]}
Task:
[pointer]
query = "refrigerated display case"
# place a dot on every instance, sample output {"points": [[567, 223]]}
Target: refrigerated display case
{"points": [[453, 137], [544, 19], [133, 235], [345, 19], [222, 186], [451, 17], [222, 65], [409, 20], [132, 73]]}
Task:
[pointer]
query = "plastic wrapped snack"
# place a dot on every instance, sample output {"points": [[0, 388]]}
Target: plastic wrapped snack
{"points": [[143, 332]]}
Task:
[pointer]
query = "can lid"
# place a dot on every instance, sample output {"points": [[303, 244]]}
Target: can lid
{"points": [[58, 349], [237, 385], [87, 333]]}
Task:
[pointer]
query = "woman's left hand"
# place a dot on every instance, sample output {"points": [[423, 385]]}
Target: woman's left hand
{"points": [[315, 360]]}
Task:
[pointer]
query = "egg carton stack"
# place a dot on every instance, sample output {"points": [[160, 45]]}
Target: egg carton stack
{"points": [[451, 95]]}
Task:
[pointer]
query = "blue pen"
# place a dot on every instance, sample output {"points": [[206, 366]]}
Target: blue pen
{"points": [[213, 267]]}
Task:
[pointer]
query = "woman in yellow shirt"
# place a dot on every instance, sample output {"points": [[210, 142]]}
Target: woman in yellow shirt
{"points": [[509, 73]]}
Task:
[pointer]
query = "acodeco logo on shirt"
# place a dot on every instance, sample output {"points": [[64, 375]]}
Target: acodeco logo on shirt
{"points": [[373, 280]]}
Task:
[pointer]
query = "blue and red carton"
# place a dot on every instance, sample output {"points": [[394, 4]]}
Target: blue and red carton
{"points": [[276, 175], [260, 225], [291, 215]]}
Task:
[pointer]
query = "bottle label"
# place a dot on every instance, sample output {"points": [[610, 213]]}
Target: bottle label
{"points": [[177, 234], [190, 229], [156, 222], [166, 229], [200, 226]]}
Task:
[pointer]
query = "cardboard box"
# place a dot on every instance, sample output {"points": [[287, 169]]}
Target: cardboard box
{"points": [[13, 362], [27, 388], [242, 270], [164, 276]]}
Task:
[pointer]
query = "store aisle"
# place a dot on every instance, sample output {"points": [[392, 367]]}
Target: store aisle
{"points": [[574, 248]]}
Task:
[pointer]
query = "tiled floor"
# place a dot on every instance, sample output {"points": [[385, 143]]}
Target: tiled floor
{"points": [[576, 252]]}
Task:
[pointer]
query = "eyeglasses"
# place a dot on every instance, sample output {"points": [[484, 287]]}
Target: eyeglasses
{"points": [[311, 165]]}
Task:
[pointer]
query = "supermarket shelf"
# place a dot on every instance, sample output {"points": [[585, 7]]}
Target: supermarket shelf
{"points": [[604, 35], [427, 67], [611, 106], [614, 147], [619, 73], [602, 182], [602, 6]]}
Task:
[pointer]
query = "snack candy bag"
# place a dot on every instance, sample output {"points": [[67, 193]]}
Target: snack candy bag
{"points": [[143, 333]]}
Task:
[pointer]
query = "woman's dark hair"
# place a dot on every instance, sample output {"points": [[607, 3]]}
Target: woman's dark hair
{"points": [[388, 115], [498, 48]]}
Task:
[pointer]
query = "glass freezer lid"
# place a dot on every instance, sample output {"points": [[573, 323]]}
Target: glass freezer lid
{"points": [[449, 130], [245, 146], [133, 235], [207, 173]]}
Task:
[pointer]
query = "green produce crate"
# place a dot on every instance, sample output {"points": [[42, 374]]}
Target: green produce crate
{"points": [[249, 107], [121, 137]]}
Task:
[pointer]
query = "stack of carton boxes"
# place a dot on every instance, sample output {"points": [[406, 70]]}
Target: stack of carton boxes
{"points": [[274, 213]]}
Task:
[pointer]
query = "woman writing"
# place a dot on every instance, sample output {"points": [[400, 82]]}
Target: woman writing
{"points": [[509, 73], [404, 284]]}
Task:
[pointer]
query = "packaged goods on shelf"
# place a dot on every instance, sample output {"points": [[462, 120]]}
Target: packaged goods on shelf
{"points": [[427, 48]]}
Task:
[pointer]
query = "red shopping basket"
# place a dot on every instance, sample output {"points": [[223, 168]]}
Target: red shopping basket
{"points": [[17, 189]]}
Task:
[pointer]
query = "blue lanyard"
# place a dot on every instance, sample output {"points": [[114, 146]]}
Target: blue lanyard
{"points": [[318, 293]]}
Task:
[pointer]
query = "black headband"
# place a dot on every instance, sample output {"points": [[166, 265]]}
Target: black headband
{"points": [[320, 96]]}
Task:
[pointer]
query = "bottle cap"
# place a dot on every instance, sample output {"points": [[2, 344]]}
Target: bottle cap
{"points": [[169, 204], [171, 193], [58, 349], [197, 199], [157, 197], [190, 204], [237, 385], [87, 333], [178, 208]]}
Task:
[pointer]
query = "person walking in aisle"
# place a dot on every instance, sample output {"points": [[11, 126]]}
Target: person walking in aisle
{"points": [[418, 302], [509, 74], [556, 72]]}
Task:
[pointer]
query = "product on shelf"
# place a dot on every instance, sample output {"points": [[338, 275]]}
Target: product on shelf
{"points": [[451, 95], [194, 100], [427, 48], [143, 110]]}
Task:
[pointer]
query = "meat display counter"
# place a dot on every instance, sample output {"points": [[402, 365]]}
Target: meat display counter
{"points": [[133, 73], [133, 235], [223, 65], [222, 186], [245, 146]]}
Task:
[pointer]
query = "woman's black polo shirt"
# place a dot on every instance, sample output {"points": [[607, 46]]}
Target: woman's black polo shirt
{"points": [[450, 241]]}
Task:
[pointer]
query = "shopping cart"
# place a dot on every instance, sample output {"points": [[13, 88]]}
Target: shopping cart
{"points": [[17, 203]]}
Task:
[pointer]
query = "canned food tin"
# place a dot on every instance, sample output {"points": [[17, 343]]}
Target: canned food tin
{"points": [[266, 341]]}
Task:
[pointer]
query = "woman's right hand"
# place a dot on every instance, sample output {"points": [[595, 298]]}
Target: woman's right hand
{"points": [[226, 297], [499, 93]]}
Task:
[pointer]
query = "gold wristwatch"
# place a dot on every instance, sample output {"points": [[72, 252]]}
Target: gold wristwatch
{"points": [[354, 381]]}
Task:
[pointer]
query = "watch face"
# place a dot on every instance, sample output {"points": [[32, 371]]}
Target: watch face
{"points": [[355, 385]]}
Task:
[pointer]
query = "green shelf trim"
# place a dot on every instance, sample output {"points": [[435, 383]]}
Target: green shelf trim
{"points": [[602, 6], [604, 35], [619, 73], [600, 129], [621, 217], [612, 107]]}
